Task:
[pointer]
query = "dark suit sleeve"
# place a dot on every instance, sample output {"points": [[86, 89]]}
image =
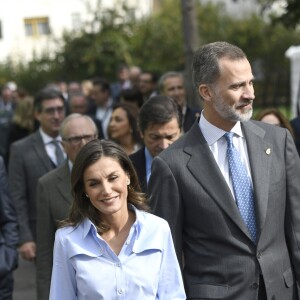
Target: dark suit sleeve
{"points": [[166, 201], [292, 225], [17, 184], [9, 235], [45, 241]]}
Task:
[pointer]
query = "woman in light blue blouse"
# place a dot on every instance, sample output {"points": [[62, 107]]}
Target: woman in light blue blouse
{"points": [[110, 247]]}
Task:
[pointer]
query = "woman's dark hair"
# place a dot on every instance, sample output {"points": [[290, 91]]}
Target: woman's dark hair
{"points": [[88, 155], [132, 114]]}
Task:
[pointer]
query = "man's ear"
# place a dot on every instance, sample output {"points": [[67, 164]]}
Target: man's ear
{"points": [[205, 92]]}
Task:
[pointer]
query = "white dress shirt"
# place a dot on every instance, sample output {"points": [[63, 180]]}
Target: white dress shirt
{"points": [[214, 137], [104, 114], [50, 147]]}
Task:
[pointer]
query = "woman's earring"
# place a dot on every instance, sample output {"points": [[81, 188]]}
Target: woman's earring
{"points": [[87, 195]]}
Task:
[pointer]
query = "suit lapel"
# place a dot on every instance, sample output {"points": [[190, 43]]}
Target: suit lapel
{"points": [[39, 147], [204, 168], [260, 154], [64, 183]]}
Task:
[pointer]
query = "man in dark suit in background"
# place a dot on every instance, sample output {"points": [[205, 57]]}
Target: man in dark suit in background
{"points": [[54, 196], [32, 157], [159, 123], [295, 123], [103, 103], [9, 237], [233, 247], [78, 103], [171, 84]]}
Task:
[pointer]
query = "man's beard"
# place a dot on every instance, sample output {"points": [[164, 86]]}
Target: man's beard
{"points": [[232, 113]]}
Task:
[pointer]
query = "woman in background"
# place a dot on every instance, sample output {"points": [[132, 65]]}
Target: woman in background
{"points": [[110, 247], [275, 117], [23, 120], [122, 127]]}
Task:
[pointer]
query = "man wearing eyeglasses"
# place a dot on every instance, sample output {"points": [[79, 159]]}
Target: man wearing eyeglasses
{"points": [[54, 196], [32, 157]]}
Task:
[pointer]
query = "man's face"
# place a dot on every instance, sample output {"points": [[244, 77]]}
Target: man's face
{"points": [[100, 97], [158, 137], [174, 88], [78, 104], [76, 134], [146, 84], [7, 94], [233, 94], [51, 116]]}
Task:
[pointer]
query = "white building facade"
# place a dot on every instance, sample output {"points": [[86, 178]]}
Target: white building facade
{"points": [[29, 27]]}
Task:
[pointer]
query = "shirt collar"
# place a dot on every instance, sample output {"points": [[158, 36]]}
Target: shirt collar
{"points": [[212, 133], [138, 224], [149, 159], [47, 138]]}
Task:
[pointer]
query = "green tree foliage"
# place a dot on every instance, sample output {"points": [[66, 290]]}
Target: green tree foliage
{"points": [[97, 52], [157, 43]]}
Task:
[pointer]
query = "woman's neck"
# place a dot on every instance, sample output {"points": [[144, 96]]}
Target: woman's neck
{"points": [[119, 230], [128, 143]]}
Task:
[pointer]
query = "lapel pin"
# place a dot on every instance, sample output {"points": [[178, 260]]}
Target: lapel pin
{"points": [[268, 151]]}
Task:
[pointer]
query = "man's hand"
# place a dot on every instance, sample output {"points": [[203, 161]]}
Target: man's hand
{"points": [[28, 250]]}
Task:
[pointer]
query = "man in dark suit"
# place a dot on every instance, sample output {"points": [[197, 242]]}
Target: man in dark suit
{"points": [[103, 103], [171, 84], [295, 123], [9, 237], [79, 103], [194, 187], [54, 196], [32, 157], [159, 123]]}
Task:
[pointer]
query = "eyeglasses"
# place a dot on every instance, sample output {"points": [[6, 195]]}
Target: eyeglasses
{"points": [[51, 110], [76, 140]]}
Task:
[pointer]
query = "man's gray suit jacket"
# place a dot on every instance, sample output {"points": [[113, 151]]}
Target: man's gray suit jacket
{"points": [[220, 260], [54, 199], [27, 163]]}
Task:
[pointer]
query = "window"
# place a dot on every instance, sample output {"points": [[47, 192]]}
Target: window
{"points": [[0, 30], [37, 26]]}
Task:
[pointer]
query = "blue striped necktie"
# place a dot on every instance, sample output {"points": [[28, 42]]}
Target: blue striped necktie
{"points": [[242, 186]]}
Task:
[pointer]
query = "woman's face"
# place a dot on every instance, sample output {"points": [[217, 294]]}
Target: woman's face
{"points": [[105, 183], [271, 119], [119, 124]]}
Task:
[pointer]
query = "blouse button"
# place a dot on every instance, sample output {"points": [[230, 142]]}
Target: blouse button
{"points": [[120, 291]]}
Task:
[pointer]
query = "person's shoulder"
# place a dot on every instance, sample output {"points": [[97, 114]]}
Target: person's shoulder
{"points": [[26, 141], [262, 127], [157, 223], [194, 110], [53, 174], [136, 155], [271, 133], [295, 122], [65, 231]]}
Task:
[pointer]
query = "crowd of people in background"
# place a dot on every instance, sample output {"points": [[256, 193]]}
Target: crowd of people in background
{"points": [[41, 135]]}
